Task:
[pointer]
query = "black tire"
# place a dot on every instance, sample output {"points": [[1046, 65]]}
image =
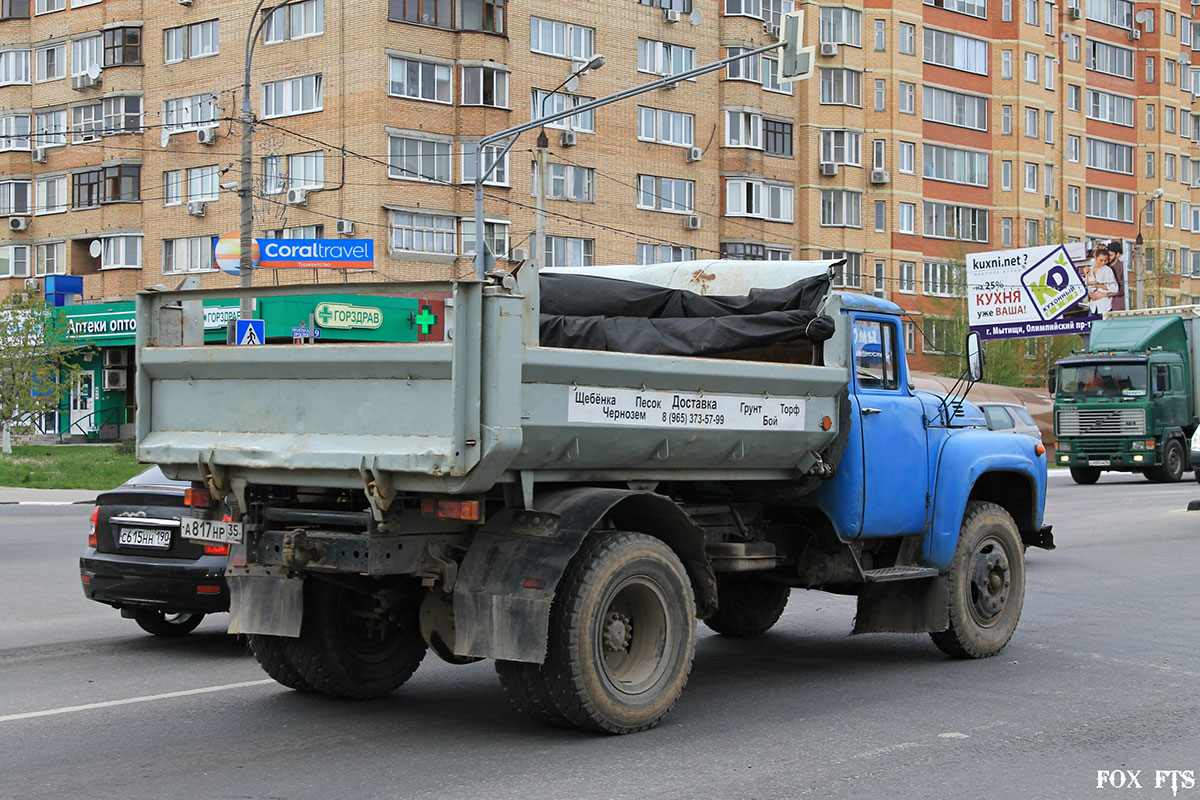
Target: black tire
{"points": [[747, 606], [987, 584], [622, 634], [347, 648], [274, 654], [1085, 476], [1171, 468], [525, 685], [162, 623]]}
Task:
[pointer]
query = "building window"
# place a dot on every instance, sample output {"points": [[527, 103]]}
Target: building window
{"points": [[421, 12], [1006, 64], [880, 216], [1111, 204], [777, 138], [1031, 67], [561, 39], [1168, 119], [189, 113], [841, 147], [1113, 108], [122, 114], [746, 69], [86, 54], [85, 189], [880, 94], [14, 67], [122, 47], [757, 198], [849, 274], [663, 253], [1110, 156], [122, 184], [778, 254], [1048, 126], [87, 122], [841, 87], [940, 280], [1150, 164], [193, 254], [936, 335], [121, 252], [880, 278], [1031, 178], [566, 251], [50, 128], [50, 63], [665, 127], [173, 187], [1031, 123], [1169, 222], [418, 159], [906, 156], [548, 103], [1006, 176], [841, 25], [497, 177], [1109, 59], [955, 108], [743, 129], [1149, 69], [202, 184], [50, 195], [483, 15], [770, 71], [665, 194], [946, 221], [51, 259], [662, 58], [292, 96], [973, 8], [14, 132], [191, 41], [1006, 121], [1111, 12], [569, 182], [841, 208], [907, 39], [14, 261], [956, 51], [294, 21], [743, 251], [908, 95], [1072, 150], [485, 86], [908, 277], [1150, 116], [1006, 232], [878, 154], [880, 35], [907, 218], [1073, 98], [419, 80], [951, 164], [422, 233], [14, 198]]}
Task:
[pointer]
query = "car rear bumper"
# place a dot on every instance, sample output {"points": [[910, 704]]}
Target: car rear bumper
{"points": [[167, 584]]}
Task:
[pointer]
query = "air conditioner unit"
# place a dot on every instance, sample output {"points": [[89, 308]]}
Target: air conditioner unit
{"points": [[829, 169], [880, 176], [114, 380], [518, 254], [692, 223], [771, 30], [671, 15], [297, 197], [196, 209], [674, 85], [206, 136], [569, 139], [694, 154], [1135, 35], [39, 155], [85, 81], [33, 284], [829, 48], [1074, 13], [17, 223], [116, 357], [345, 227]]}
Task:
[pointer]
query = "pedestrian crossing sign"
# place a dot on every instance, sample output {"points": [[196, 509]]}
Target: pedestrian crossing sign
{"points": [[250, 331]]}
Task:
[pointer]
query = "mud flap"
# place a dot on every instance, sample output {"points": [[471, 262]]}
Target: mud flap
{"points": [[272, 605], [914, 606]]}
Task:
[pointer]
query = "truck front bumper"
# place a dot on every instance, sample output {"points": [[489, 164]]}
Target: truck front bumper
{"points": [[1110, 455]]}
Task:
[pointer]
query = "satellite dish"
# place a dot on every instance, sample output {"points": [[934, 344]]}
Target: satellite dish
{"points": [[95, 248], [1066, 37], [697, 17], [1141, 16], [166, 137], [572, 83], [93, 71]]}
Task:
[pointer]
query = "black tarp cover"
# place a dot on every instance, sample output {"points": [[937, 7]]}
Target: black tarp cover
{"points": [[595, 313]]}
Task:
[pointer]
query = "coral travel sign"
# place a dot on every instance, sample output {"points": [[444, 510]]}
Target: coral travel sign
{"points": [[317, 253]]}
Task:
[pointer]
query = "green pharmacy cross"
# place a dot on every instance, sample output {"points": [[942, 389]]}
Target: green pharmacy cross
{"points": [[425, 320]]}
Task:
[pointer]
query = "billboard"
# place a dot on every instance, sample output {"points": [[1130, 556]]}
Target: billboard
{"points": [[1040, 291], [295, 253]]}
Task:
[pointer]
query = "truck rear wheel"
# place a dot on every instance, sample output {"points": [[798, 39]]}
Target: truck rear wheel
{"points": [[622, 634], [1171, 468], [1085, 476], [357, 641], [526, 688], [747, 606], [987, 584], [274, 655]]}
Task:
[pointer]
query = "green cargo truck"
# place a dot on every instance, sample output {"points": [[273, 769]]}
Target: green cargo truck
{"points": [[1127, 403]]}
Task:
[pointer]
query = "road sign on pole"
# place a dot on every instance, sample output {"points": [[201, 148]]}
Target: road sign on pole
{"points": [[250, 331], [796, 61]]}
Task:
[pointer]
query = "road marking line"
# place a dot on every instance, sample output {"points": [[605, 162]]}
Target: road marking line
{"points": [[143, 699]]}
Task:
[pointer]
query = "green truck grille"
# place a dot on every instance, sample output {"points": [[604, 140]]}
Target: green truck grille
{"points": [[1096, 445]]}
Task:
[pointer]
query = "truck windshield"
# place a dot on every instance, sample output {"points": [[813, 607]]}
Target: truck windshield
{"points": [[1103, 380]]}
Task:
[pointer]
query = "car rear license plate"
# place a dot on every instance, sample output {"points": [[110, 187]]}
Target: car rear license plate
{"points": [[1099, 462], [211, 530], [143, 537]]}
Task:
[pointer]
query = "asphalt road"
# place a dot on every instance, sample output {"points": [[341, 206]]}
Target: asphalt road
{"points": [[1103, 674]]}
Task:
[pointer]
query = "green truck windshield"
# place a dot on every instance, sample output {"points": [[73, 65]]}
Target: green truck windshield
{"points": [[1103, 380]]}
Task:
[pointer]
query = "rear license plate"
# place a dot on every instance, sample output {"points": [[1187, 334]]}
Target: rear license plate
{"points": [[143, 537], [1099, 462], [211, 530]]}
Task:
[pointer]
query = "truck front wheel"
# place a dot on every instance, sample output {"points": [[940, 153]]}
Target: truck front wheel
{"points": [[357, 641], [1171, 468], [747, 606], [987, 584], [622, 634], [1085, 476]]}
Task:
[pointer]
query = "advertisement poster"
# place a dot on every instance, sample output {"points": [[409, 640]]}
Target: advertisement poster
{"points": [[1043, 291]]}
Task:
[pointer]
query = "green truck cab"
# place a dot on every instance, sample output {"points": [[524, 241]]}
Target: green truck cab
{"points": [[1127, 403]]}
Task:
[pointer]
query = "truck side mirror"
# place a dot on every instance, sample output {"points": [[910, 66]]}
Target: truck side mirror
{"points": [[1052, 381], [974, 357]]}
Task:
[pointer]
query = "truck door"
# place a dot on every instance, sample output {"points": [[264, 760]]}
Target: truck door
{"points": [[895, 455]]}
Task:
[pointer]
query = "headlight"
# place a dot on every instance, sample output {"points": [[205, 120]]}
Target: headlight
{"points": [[1064, 447], [1064, 459], [1139, 445], [1138, 458]]}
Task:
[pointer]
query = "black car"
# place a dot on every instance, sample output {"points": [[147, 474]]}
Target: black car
{"points": [[137, 562]]}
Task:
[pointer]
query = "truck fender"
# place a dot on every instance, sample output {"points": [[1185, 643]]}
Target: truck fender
{"points": [[1000, 469], [508, 578]]}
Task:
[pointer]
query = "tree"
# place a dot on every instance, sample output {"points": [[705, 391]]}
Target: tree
{"points": [[36, 362]]}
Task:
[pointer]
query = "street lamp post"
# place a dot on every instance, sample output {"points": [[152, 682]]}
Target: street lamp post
{"points": [[1139, 252]]}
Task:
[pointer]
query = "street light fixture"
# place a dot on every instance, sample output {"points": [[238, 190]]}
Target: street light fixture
{"points": [[1139, 268]]}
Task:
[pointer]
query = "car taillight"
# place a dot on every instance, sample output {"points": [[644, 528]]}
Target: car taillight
{"points": [[95, 519], [216, 549], [197, 498]]}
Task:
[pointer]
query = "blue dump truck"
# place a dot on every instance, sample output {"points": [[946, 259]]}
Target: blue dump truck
{"points": [[572, 469]]}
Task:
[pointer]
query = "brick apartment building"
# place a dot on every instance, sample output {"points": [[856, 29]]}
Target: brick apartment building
{"points": [[929, 130]]}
